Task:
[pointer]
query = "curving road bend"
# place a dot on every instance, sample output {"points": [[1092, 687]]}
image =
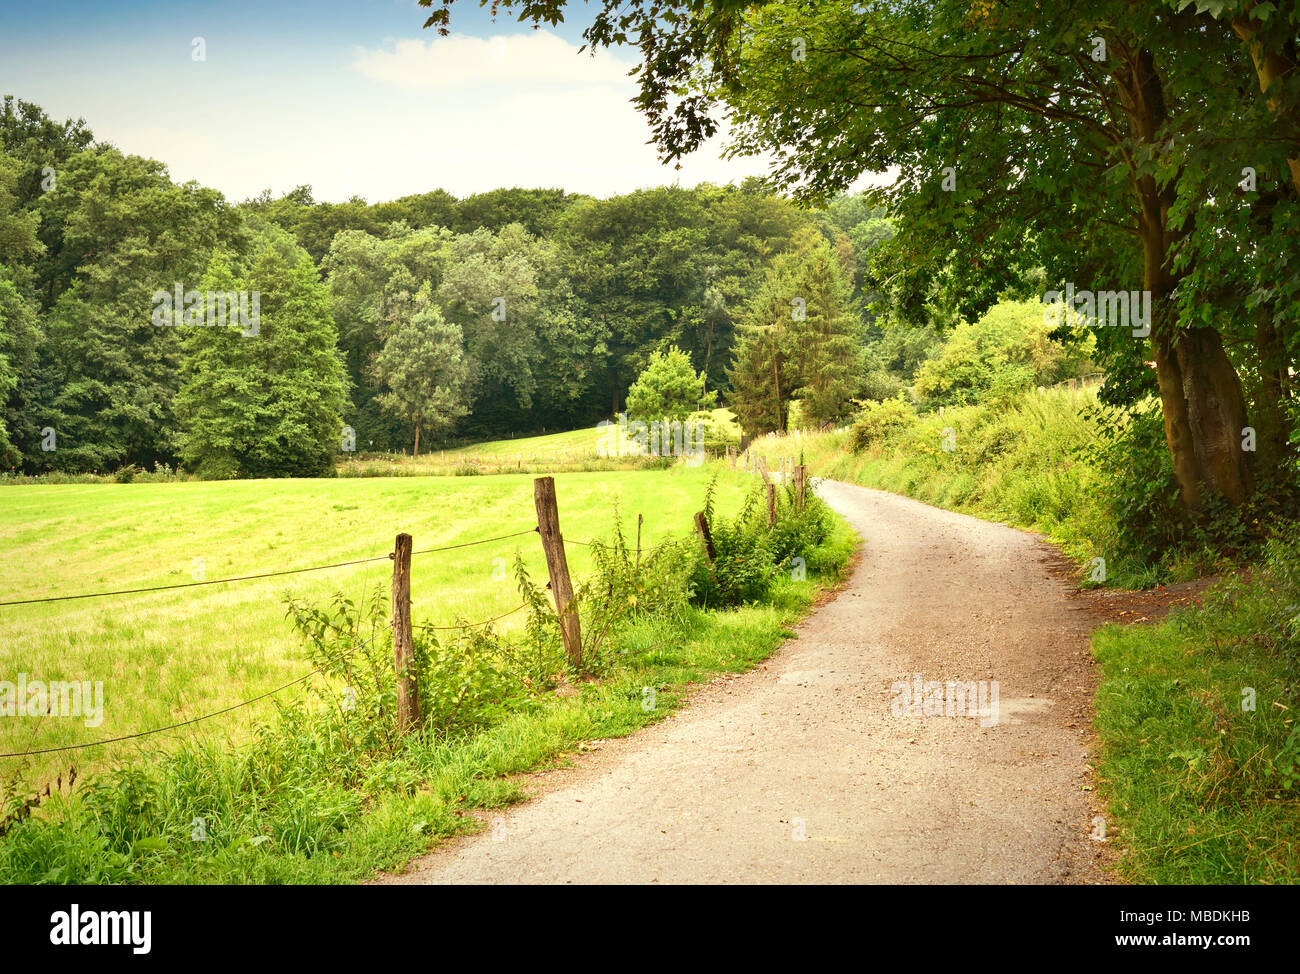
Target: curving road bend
{"points": [[810, 770]]}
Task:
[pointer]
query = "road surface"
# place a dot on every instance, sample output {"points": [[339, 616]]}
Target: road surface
{"points": [[810, 770]]}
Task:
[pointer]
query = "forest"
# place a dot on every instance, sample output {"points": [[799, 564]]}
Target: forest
{"points": [[506, 313]]}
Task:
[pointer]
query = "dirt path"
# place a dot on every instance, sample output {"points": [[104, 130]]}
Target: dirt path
{"points": [[798, 771]]}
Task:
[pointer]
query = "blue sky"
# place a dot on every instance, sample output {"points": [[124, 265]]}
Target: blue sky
{"points": [[351, 96]]}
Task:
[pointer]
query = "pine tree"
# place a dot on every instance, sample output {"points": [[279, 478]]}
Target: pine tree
{"points": [[763, 376], [797, 340], [829, 347]]}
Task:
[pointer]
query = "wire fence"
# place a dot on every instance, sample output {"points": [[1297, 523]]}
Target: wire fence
{"points": [[194, 720], [246, 578], [31, 752]]}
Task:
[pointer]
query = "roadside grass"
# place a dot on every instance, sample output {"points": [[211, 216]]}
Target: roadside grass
{"points": [[170, 656], [279, 810], [1200, 789], [1023, 463]]}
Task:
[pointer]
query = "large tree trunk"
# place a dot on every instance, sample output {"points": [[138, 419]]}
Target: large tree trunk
{"points": [[416, 454], [1200, 395], [1216, 412]]}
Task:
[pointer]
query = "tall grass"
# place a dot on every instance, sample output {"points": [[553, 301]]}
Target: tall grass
{"points": [[1024, 461]]}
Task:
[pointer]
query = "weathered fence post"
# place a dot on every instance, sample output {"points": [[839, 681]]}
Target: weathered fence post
{"points": [[731, 456], [408, 691], [638, 542], [800, 484], [762, 468], [702, 526], [771, 505], [548, 526]]}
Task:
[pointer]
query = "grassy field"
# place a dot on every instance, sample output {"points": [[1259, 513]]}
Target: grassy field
{"points": [[575, 450], [281, 791], [170, 656]]}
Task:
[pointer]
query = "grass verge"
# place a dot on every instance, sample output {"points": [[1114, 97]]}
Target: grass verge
{"points": [[1200, 749]]}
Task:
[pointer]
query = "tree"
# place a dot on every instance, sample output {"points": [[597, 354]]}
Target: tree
{"points": [[668, 388], [490, 290], [1091, 135], [115, 374], [422, 368], [19, 333], [798, 341], [634, 264], [19, 339], [368, 276], [42, 147], [764, 375], [265, 400], [828, 361]]}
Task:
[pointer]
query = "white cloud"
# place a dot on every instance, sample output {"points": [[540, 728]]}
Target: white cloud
{"points": [[458, 61]]}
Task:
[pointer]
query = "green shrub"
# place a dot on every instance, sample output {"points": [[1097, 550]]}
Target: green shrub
{"points": [[1005, 352], [713, 435], [877, 420]]}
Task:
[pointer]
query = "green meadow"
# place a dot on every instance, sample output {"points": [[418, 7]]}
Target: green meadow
{"points": [[170, 656]]}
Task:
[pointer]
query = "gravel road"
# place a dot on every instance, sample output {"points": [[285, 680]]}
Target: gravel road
{"points": [[801, 771]]}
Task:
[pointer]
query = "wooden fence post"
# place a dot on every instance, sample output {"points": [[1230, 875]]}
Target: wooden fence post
{"points": [[731, 456], [771, 505], [762, 468], [800, 484], [638, 542], [548, 526], [702, 526], [408, 691]]}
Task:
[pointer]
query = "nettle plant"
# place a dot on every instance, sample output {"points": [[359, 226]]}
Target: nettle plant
{"points": [[750, 555], [468, 676], [624, 586]]}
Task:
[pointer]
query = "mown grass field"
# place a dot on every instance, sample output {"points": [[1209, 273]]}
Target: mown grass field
{"points": [[170, 656], [571, 450]]}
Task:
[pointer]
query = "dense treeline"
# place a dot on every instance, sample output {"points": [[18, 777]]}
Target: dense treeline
{"points": [[508, 312]]}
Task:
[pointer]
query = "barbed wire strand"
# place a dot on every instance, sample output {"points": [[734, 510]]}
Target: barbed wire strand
{"points": [[485, 622], [245, 578], [195, 720]]}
